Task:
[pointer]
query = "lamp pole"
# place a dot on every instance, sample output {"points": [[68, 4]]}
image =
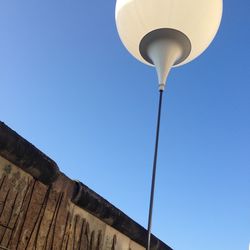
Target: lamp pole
{"points": [[151, 205]]}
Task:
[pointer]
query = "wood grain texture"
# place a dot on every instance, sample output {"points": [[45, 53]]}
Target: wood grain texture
{"points": [[36, 216], [40, 208]]}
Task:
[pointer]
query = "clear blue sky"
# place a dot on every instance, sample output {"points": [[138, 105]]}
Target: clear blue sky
{"points": [[69, 86]]}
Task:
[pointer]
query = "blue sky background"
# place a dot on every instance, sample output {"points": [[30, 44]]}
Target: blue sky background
{"points": [[69, 86]]}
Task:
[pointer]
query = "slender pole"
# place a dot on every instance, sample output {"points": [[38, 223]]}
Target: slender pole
{"points": [[154, 170]]}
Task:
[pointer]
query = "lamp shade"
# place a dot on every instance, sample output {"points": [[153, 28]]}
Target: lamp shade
{"points": [[194, 23]]}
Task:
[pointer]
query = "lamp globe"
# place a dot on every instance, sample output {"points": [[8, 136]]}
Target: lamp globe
{"points": [[167, 33]]}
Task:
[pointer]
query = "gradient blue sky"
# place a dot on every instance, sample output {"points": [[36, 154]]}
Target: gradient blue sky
{"points": [[69, 86]]}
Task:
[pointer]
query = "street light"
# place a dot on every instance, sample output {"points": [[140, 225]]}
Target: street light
{"points": [[164, 34]]}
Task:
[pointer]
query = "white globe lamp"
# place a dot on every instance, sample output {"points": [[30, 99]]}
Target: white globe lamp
{"points": [[165, 34]]}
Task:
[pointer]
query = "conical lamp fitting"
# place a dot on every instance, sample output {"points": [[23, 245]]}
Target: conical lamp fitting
{"points": [[164, 48]]}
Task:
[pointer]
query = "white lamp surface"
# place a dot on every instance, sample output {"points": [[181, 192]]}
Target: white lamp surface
{"points": [[198, 20]]}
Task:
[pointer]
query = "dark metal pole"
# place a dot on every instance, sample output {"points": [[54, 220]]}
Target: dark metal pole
{"points": [[154, 171]]}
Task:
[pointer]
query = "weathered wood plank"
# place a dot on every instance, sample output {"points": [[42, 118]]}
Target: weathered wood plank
{"points": [[34, 216], [60, 213], [16, 239]]}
